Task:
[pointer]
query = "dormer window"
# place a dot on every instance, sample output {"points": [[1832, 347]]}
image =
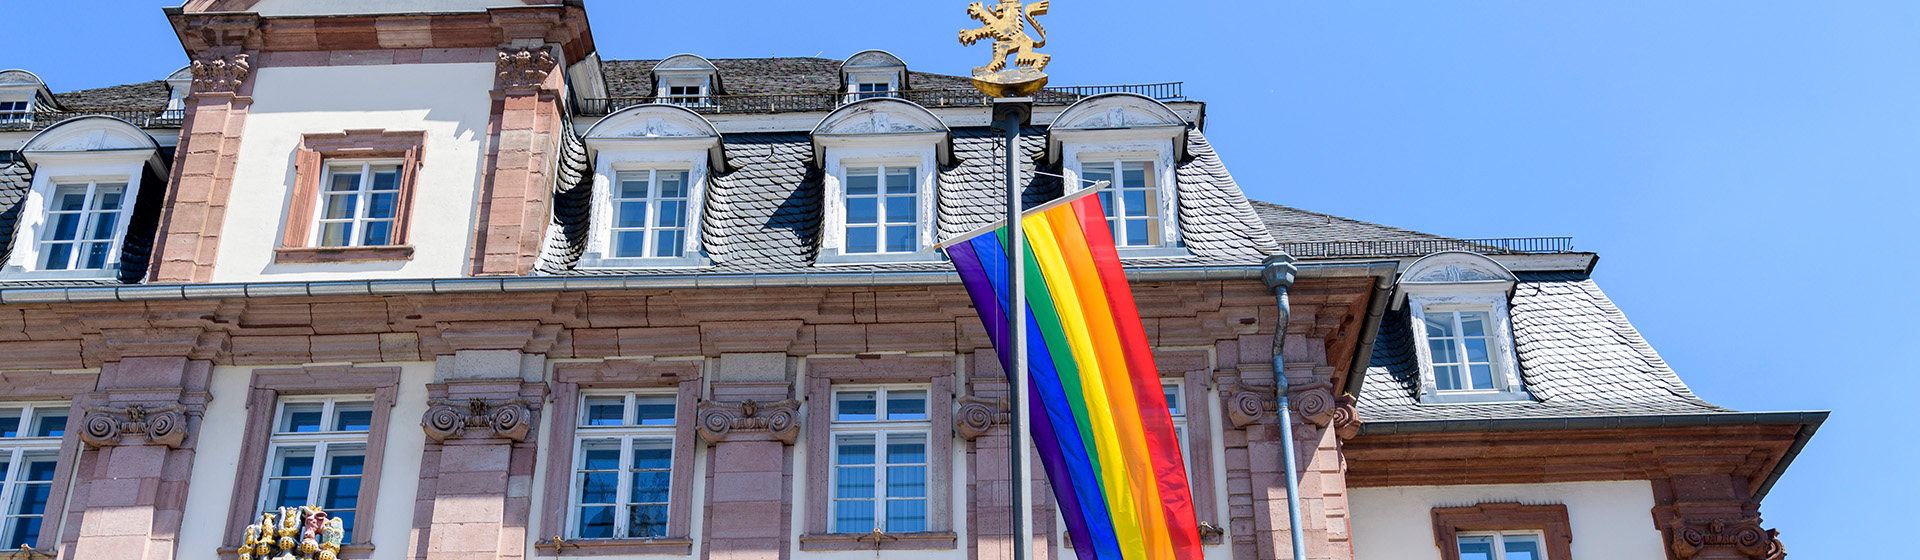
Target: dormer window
{"points": [[651, 167], [18, 91], [83, 226], [16, 111], [88, 175], [1458, 303], [873, 73], [692, 94], [686, 80], [880, 155], [1131, 142]]}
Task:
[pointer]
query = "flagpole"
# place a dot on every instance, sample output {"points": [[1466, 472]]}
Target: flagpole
{"points": [[1009, 114]]}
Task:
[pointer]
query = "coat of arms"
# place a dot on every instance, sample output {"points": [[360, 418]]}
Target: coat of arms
{"points": [[1006, 23]]}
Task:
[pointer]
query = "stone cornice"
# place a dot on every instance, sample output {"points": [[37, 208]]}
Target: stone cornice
{"points": [[778, 420]]}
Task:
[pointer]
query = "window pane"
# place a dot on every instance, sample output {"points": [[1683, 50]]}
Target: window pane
{"points": [[380, 205], [906, 448], [1473, 323], [604, 411], [50, 424], [65, 227], [1134, 174], [334, 234], [862, 240], [96, 256], [673, 184], [862, 210], [907, 482], [108, 197], [294, 461], [386, 178], [854, 406], [900, 210], [1138, 233], [647, 521], [1106, 202], [340, 496], [1476, 548], [652, 454], [906, 405], [56, 256], [863, 181], [1442, 351], [1439, 324], [1482, 376], [352, 417], [854, 483], [900, 180], [69, 198], [600, 455], [103, 226], [650, 487], [301, 417], [900, 239], [377, 233], [1097, 172], [630, 243], [1172, 394], [633, 184], [633, 214], [1136, 202], [1448, 377], [345, 179], [1522, 547], [1476, 350], [596, 523], [672, 214], [346, 460], [9, 423], [667, 243], [22, 531], [906, 516], [855, 449], [654, 410], [854, 516], [286, 492]]}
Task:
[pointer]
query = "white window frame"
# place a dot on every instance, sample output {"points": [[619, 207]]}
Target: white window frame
{"points": [[1500, 352], [1122, 146], [889, 80], [879, 429], [1118, 188], [1500, 543], [24, 263], [16, 448], [319, 441], [362, 198], [702, 83], [17, 116], [88, 215], [1180, 426], [650, 227], [626, 434], [669, 154], [926, 175]]}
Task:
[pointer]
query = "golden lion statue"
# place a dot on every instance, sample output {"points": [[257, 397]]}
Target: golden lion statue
{"points": [[1009, 34]]}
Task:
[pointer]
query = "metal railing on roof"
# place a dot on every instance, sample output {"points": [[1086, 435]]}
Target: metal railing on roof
{"points": [[795, 102], [38, 120], [1415, 247]]}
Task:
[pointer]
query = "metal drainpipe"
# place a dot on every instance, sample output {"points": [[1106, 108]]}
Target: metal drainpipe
{"points": [[1278, 273]]}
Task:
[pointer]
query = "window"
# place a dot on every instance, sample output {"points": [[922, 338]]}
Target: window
{"points": [[883, 210], [82, 229], [879, 439], [359, 205], [318, 451], [1500, 545], [686, 95], [1457, 340], [623, 464], [1175, 392], [1132, 202], [650, 213], [29, 454], [867, 90], [16, 111]]}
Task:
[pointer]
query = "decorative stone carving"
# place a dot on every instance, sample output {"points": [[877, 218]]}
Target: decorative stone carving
{"points": [[166, 425], [978, 416], [1247, 404], [718, 419], [219, 74], [1691, 537], [302, 533], [1314, 401], [1346, 417], [524, 68], [446, 418]]}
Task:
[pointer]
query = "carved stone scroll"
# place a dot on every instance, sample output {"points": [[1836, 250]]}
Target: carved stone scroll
{"points": [[779, 419], [1346, 417], [219, 74], [1247, 404], [105, 427], [978, 416], [1315, 402], [1691, 537], [511, 419], [524, 68]]}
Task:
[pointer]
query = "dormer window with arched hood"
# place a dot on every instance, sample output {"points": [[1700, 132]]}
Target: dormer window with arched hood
{"points": [[651, 169], [882, 158], [1133, 143], [1458, 305], [873, 73], [686, 80], [21, 93], [88, 175]]}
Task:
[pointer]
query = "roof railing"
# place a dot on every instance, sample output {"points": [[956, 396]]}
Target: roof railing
{"points": [[796, 102], [1415, 247], [38, 120]]}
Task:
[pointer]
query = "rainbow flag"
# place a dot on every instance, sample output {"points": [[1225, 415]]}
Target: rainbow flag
{"points": [[1100, 419]]}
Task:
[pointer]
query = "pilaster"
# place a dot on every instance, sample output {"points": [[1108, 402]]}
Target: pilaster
{"points": [[751, 420], [140, 430]]}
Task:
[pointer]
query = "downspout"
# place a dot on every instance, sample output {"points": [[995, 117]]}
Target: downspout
{"points": [[1370, 330], [1278, 272]]}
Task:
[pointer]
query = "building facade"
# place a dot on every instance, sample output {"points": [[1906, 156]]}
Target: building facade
{"points": [[439, 268]]}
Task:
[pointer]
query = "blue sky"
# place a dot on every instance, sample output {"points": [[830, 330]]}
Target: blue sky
{"points": [[1749, 171]]}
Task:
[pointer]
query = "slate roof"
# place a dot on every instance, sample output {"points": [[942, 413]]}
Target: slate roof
{"points": [[1579, 357], [760, 76], [143, 96], [1293, 225], [765, 215], [15, 178]]}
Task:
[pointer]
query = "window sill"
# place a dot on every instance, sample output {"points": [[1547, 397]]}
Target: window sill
{"points": [[614, 547], [832, 257], [1476, 397], [1151, 252], [349, 552], [594, 260], [945, 540], [12, 273], [304, 255]]}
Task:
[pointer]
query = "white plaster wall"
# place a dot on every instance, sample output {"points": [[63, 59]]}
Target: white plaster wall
{"points": [[1609, 519], [333, 7], [451, 102], [217, 460]]}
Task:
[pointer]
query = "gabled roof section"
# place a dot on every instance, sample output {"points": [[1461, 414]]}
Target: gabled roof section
{"points": [[764, 76], [1579, 357]]}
